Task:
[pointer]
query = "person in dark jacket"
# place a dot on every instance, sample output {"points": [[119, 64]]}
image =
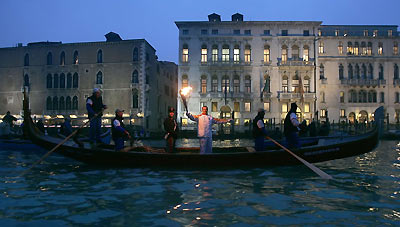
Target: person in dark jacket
{"points": [[291, 127], [171, 128], [66, 128], [9, 119], [259, 131], [94, 106], [40, 125], [118, 130]]}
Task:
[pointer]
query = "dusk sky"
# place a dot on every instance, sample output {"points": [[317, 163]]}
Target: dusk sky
{"points": [[24, 21]]}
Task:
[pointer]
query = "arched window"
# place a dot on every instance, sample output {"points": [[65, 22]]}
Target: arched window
{"points": [[26, 60], [341, 72], [369, 48], [380, 71], [364, 96], [396, 72], [295, 52], [99, 56], [321, 47], [374, 94], [247, 84], [370, 94], [204, 53], [62, 103], [135, 77], [360, 96], [69, 80], [284, 54], [49, 104], [363, 48], [382, 97], [62, 58], [247, 54], [350, 71], [185, 53], [295, 83], [135, 55], [285, 84], [55, 80], [75, 103], [135, 99], [340, 47], [99, 78], [321, 71], [370, 72], [55, 103], [68, 103], [306, 53], [363, 71], [354, 96], [395, 48], [49, 58], [349, 48], [236, 84], [357, 71], [76, 60], [225, 53], [267, 56], [49, 80], [185, 82], [26, 80], [214, 54], [75, 80], [356, 48], [62, 80], [236, 53], [203, 84], [225, 84], [214, 83]]}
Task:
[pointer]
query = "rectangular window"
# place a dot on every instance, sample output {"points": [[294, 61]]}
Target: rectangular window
{"points": [[341, 97], [321, 48], [342, 113], [236, 54], [323, 113], [204, 55], [247, 106], [395, 48], [365, 32], [247, 32], [382, 97], [204, 31], [185, 55], [203, 86], [305, 55], [375, 33], [307, 107], [267, 106], [214, 107], [214, 31], [284, 56], [236, 32], [236, 85], [225, 54], [319, 32], [340, 48], [225, 84], [306, 33], [266, 55], [380, 48], [284, 32], [185, 32], [267, 32], [284, 107], [214, 85], [247, 85], [336, 32], [284, 85], [247, 55], [236, 106], [215, 55]]}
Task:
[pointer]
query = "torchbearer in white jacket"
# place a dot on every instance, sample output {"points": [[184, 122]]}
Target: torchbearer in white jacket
{"points": [[204, 128]]}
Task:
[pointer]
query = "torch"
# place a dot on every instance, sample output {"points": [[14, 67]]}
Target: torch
{"points": [[184, 93]]}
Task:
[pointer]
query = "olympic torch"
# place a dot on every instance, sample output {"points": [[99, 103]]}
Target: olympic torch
{"points": [[184, 93]]}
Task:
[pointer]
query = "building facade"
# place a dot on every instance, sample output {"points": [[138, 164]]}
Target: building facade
{"points": [[60, 77], [236, 67]]}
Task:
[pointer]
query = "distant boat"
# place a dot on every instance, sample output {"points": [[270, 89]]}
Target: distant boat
{"points": [[322, 149]]}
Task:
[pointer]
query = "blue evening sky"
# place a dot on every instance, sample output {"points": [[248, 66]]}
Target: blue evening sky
{"points": [[24, 21]]}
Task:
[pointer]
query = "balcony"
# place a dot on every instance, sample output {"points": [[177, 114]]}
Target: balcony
{"points": [[295, 62], [221, 94], [362, 82], [227, 63], [289, 95]]}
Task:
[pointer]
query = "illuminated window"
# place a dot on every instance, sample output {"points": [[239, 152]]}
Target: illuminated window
{"points": [[267, 106], [203, 84], [266, 54], [323, 113], [236, 106], [319, 32], [236, 84], [225, 53], [76, 60], [321, 48], [395, 48], [247, 54], [349, 48], [214, 53], [204, 53], [285, 84], [284, 54], [363, 48], [369, 49], [184, 122], [295, 84], [341, 97], [380, 48], [342, 113], [356, 48], [340, 47], [225, 82], [306, 53], [247, 106], [214, 106], [390, 33], [306, 84], [284, 107], [247, 84], [246, 122], [185, 53], [375, 33], [236, 53], [307, 107]]}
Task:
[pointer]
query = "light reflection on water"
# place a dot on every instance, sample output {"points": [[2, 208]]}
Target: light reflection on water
{"points": [[65, 192]]}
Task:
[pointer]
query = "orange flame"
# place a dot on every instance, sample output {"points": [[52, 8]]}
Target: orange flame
{"points": [[185, 91]]}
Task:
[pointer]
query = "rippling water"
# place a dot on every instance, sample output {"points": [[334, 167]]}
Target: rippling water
{"points": [[63, 192]]}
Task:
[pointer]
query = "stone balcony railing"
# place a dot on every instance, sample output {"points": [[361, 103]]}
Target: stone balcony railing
{"points": [[231, 62], [289, 95], [221, 94], [295, 62], [362, 82]]}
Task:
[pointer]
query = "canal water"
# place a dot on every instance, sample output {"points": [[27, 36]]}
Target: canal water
{"points": [[64, 192]]}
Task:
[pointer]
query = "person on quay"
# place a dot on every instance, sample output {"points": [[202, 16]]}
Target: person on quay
{"points": [[259, 131], [291, 127], [118, 130], [94, 106], [204, 128], [171, 128], [9, 119]]}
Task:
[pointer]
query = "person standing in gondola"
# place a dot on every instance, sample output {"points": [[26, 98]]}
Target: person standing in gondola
{"points": [[259, 131], [291, 127], [171, 128], [204, 128], [94, 106], [118, 130]]}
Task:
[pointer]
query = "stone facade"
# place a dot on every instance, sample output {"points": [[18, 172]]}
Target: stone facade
{"points": [[242, 66], [60, 77]]}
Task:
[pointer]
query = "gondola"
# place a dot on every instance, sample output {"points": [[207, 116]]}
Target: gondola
{"points": [[324, 149]]}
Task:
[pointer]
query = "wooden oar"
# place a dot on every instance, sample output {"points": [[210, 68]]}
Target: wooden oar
{"points": [[309, 165], [58, 145]]}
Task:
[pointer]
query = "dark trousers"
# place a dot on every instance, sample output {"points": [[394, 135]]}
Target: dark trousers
{"points": [[259, 143], [171, 144], [293, 140], [95, 130], [119, 143]]}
